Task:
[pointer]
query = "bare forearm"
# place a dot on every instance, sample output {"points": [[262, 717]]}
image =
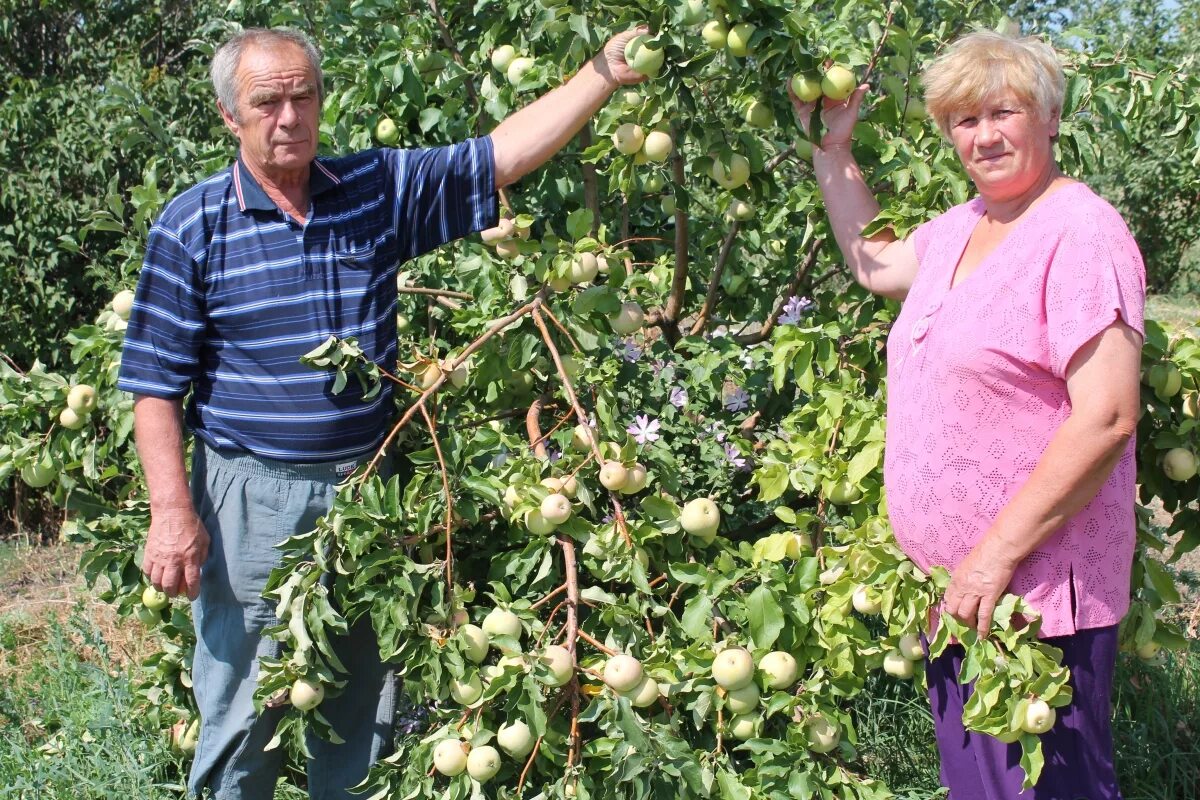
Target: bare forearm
{"points": [[851, 207], [1073, 468], [158, 432], [528, 138]]}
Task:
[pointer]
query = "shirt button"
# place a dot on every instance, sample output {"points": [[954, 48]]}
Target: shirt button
{"points": [[921, 328]]}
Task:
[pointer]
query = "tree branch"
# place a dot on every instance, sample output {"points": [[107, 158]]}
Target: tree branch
{"points": [[764, 333], [714, 280]]}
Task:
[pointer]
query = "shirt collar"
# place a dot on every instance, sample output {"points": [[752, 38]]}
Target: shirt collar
{"points": [[250, 194]]}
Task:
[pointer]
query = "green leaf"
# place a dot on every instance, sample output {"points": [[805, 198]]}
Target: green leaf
{"points": [[766, 618]]}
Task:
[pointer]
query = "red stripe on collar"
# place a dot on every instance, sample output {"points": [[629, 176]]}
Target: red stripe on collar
{"points": [[331, 176], [237, 185]]}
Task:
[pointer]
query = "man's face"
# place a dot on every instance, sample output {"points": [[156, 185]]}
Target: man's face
{"points": [[278, 112]]}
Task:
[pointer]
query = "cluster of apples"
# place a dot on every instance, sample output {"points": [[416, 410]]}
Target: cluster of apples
{"points": [[505, 237], [630, 140], [506, 60], [81, 402], [1178, 463], [429, 371]]}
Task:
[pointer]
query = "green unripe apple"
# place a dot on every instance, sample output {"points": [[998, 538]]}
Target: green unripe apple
{"points": [[583, 437], [645, 694], [1039, 717], [500, 622], [806, 87], [733, 668], [780, 669], [122, 304], [467, 690], [628, 138], [643, 57], [37, 476], [450, 757], [735, 175], [584, 267], [838, 83], [822, 734], [636, 479], [667, 204], [804, 149], [474, 642], [154, 599], [483, 763], [386, 132], [744, 727], [556, 508], [844, 492], [715, 34], [743, 700], [613, 475], [515, 738], [508, 250], [517, 69], [897, 665], [70, 420], [658, 146], [865, 602], [700, 515], [910, 647], [502, 56], [694, 12], [561, 665], [81, 399], [738, 39], [622, 673], [760, 115], [653, 183], [1179, 464], [306, 695], [740, 210], [628, 320]]}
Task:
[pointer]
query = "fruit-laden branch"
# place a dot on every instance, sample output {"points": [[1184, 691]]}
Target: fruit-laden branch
{"points": [[618, 512], [433, 292], [669, 321], [495, 328], [714, 281], [437, 448], [806, 266], [448, 40]]}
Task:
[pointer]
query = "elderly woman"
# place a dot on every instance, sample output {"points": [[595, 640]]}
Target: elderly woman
{"points": [[1013, 394]]}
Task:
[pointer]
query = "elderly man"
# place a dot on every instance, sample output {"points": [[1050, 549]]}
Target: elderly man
{"points": [[244, 273]]}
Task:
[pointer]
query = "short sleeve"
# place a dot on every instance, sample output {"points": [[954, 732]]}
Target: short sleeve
{"points": [[161, 355], [920, 239], [1095, 277], [443, 194]]}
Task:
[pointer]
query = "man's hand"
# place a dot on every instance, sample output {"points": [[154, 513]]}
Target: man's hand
{"points": [[611, 60], [175, 550], [838, 117], [977, 584]]}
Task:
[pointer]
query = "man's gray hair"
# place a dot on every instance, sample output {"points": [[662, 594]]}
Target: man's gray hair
{"points": [[229, 55]]}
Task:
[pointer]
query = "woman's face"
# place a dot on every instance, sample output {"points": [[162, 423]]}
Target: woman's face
{"points": [[1004, 145]]}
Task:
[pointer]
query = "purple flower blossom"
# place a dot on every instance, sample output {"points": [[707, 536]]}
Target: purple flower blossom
{"points": [[718, 432], [644, 429], [630, 352], [553, 454], [658, 366], [736, 400], [794, 309], [735, 458], [679, 397]]}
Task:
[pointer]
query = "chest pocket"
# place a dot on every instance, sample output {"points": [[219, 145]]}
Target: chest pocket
{"points": [[354, 254]]}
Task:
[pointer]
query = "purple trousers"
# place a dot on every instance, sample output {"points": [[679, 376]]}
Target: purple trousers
{"points": [[1078, 749]]}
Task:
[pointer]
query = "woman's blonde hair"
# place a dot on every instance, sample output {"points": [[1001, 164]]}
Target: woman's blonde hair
{"points": [[985, 64]]}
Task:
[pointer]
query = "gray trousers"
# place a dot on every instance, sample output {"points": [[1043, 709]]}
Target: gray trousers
{"points": [[249, 505]]}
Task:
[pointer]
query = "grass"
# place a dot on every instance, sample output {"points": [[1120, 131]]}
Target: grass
{"points": [[1175, 313]]}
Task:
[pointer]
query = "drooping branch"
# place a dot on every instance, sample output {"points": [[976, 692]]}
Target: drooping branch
{"points": [[806, 266], [714, 281]]}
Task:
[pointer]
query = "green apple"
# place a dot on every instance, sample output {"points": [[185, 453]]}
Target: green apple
{"points": [[483, 763], [502, 56], [628, 320], [700, 515], [733, 668], [643, 56], [583, 437], [743, 727], [81, 399], [508, 250], [185, 736], [740, 210], [430, 374], [844, 492], [628, 138], [1039, 717], [822, 734], [500, 622], [613, 475], [838, 83], [806, 87], [759, 115], [561, 665], [537, 523], [450, 757], [148, 616], [631, 97], [467, 690], [738, 39], [804, 149], [658, 145], [556, 508], [1179, 464], [154, 599], [897, 665], [622, 673], [517, 68], [1191, 405], [733, 176], [37, 476], [910, 647], [780, 669], [865, 602], [645, 694], [668, 205], [584, 268], [474, 642], [457, 376], [797, 544], [515, 738], [70, 420], [694, 12], [403, 323], [715, 34], [653, 183], [635, 479], [386, 132], [503, 231], [306, 695], [1149, 650], [743, 700], [122, 304], [1170, 383]]}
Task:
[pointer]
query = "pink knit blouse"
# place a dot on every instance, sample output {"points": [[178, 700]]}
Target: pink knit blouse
{"points": [[977, 388]]}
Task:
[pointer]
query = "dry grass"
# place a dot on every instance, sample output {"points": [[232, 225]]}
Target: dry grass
{"points": [[42, 583]]}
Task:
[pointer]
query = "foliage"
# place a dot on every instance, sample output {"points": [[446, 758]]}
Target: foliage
{"points": [[736, 390]]}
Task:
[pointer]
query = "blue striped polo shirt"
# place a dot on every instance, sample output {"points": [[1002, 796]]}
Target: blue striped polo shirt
{"points": [[233, 292]]}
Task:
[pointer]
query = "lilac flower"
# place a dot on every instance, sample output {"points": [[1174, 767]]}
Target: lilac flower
{"points": [[735, 458], [794, 309], [553, 454], [630, 352], [716, 430], [679, 397], [644, 429], [658, 366], [736, 400]]}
